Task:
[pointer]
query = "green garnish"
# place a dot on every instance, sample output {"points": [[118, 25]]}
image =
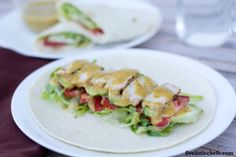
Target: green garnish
{"points": [[81, 110], [193, 98], [54, 94], [71, 12], [103, 112]]}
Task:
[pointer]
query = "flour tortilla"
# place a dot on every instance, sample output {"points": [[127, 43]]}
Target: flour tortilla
{"points": [[62, 27], [100, 134], [121, 20]]}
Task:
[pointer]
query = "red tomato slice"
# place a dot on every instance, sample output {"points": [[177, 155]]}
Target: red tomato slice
{"points": [[164, 122], [180, 102], [97, 31], [94, 30], [139, 108], [69, 93], [97, 104], [108, 105], [53, 43], [84, 98]]}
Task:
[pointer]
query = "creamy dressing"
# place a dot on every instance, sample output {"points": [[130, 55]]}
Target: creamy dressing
{"points": [[100, 79], [137, 90], [119, 79], [74, 66], [98, 82], [85, 74], [162, 92], [183, 111], [158, 99], [77, 73], [151, 99], [66, 80], [168, 110], [172, 88], [129, 93]]}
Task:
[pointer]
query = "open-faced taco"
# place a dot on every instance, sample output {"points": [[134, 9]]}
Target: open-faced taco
{"points": [[121, 110]]}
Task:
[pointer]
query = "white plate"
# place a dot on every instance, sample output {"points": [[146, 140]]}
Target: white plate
{"points": [[225, 95], [15, 35]]}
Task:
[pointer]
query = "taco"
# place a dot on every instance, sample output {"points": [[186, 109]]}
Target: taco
{"points": [[120, 111]]}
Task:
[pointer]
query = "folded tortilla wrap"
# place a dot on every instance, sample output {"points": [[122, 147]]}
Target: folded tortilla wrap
{"points": [[63, 37], [111, 21]]}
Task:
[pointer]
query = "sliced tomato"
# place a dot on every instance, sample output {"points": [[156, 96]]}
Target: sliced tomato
{"points": [[139, 108], [180, 102], [98, 106], [53, 43], [108, 105], [164, 122], [94, 30], [84, 98], [70, 93], [97, 31]]}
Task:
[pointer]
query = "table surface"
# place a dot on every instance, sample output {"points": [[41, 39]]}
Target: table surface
{"points": [[223, 59]]}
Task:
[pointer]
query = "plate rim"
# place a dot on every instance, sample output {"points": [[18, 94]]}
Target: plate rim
{"points": [[160, 53]]}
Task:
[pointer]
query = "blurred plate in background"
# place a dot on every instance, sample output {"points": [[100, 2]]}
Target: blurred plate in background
{"points": [[15, 35]]}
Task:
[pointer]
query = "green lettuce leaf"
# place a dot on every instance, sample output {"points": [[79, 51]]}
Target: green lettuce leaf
{"points": [[81, 110], [127, 115], [53, 74], [103, 112], [189, 117], [193, 98], [54, 94], [153, 130]]}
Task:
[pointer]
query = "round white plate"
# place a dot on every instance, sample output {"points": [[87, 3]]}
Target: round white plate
{"points": [[15, 35], [225, 95]]}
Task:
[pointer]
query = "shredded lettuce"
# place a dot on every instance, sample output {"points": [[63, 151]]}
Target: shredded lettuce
{"points": [[54, 94], [81, 110], [53, 74], [127, 115], [153, 130], [139, 123], [65, 82], [92, 91], [103, 112], [193, 98], [189, 117], [144, 121], [147, 111], [145, 127], [135, 119], [129, 109], [141, 126], [73, 13]]}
